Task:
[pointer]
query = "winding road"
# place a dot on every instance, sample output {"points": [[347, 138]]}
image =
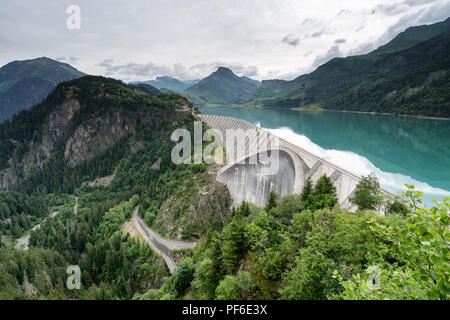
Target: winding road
{"points": [[162, 246], [23, 242]]}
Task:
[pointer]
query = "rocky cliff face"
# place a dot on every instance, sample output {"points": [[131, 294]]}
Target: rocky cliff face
{"points": [[91, 118], [96, 136], [40, 151], [82, 143]]}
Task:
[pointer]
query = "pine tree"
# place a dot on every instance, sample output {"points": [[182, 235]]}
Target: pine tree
{"points": [[325, 186], [271, 201], [307, 190]]}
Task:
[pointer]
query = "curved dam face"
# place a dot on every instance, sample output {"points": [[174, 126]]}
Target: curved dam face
{"points": [[247, 172], [248, 182]]}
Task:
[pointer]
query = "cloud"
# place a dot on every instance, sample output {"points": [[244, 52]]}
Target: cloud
{"points": [[344, 12], [291, 40], [340, 41], [106, 63], [317, 34], [362, 49], [418, 17], [388, 9], [146, 71], [332, 53], [69, 60], [72, 60], [190, 38]]}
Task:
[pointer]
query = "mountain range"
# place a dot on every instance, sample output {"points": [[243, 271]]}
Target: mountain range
{"points": [[170, 83], [222, 87], [408, 75], [26, 83], [90, 165]]}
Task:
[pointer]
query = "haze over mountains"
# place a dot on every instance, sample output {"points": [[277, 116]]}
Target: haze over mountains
{"points": [[26, 83], [170, 83], [408, 75]]}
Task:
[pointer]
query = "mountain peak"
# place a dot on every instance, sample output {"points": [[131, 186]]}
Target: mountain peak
{"points": [[224, 71], [222, 87], [165, 78], [24, 83]]}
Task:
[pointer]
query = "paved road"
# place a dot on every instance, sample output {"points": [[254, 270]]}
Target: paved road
{"points": [[23, 242], [75, 208], [161, 245]]}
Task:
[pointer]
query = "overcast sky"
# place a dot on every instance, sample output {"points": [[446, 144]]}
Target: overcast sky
{"points": [[264, 39]]}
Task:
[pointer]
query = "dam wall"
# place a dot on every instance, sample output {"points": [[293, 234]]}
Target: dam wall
{"points": [[247, 172]]}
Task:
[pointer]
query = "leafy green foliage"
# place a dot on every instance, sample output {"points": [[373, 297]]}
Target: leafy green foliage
{"points": [[183, 276], [113, 265], [424, 245], [19, 212], [323, 195], [307, 190], [36, 271], [420, 246], [155, 117], [367, 194], [408, 76], [271, 201], [227, 289], [287, 253]]}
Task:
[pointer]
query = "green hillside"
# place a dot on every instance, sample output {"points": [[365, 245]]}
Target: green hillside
{"points": [[298, 247], [125, 131], [414, 35], [222, 87], [26, 83], [413, 81], [408, 75]]}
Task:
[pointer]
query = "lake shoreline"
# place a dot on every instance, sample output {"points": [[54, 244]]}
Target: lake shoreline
{"points": [[330, 110], [390, 114]]}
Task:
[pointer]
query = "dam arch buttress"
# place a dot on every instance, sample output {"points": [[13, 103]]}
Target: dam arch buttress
{"points": [[245, 182]]}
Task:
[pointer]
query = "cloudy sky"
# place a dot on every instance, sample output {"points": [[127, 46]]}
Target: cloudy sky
{"points": [[265, 39]]}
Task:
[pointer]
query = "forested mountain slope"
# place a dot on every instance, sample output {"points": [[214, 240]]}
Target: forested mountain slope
{"points": [[25, 83], [222, 87], [408, 75], [86, 129], [299, 247], [413, 81]]}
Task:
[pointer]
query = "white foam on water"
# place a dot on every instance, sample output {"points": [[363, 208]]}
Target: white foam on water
{"points": [[361, 166]]}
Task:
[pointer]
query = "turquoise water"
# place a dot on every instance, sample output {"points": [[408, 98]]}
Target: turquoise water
{"points": [[398, 150]]}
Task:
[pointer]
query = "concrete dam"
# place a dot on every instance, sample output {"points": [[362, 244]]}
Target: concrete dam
{"points": [[247, 173]]}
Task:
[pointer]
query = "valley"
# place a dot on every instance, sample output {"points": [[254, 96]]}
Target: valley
{"points": [[362, 188]]}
